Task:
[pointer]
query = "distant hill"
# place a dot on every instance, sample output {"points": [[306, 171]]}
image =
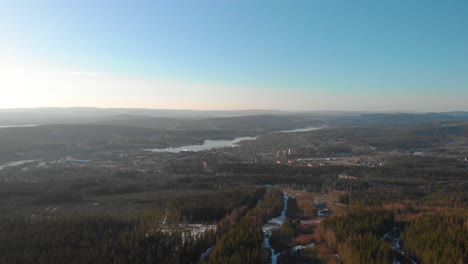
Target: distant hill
{"points": [[22, 116], [399, 119], [254, 123], [252, 120]]}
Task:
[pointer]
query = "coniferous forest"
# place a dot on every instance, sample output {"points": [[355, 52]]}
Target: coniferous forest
{"points": [[340, 194]]}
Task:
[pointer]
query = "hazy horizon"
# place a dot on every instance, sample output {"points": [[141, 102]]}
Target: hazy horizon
{"points": [[210, 55], [266, 110]]}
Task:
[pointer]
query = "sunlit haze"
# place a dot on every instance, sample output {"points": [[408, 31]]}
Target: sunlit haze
{"points": [[287, 55]]}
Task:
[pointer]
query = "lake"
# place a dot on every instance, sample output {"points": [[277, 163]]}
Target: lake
{"points": [[15, 163], [298, 130], [214, 144], [207, 145], [18, 126]]}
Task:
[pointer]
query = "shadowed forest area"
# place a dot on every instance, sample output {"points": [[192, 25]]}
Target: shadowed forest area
{"points": [[368, 193]]}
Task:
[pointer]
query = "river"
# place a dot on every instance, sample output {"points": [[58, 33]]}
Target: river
{"points": [[393, 236], [273, 224]]}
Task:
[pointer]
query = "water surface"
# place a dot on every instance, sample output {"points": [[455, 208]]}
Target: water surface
{"points": [[207, 145], [305, 129], [18, 126], [223, 143]]}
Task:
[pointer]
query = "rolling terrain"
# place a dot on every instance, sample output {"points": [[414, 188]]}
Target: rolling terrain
{"points": [[361, 187]]}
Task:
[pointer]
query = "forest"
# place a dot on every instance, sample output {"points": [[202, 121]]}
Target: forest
{"points": [[355, 194], [94, 240], [355, 236], [439, 238], [238, 238]]}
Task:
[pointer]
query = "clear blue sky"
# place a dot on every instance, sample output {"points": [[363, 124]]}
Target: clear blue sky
{"points": [[363, 50]]}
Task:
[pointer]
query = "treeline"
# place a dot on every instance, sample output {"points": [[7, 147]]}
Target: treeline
{"points": [[212, 206], [136, 238], [439, 238], [94, 240], [355, 236], [57, 140], [384, 137], [242, 242], [276, 169], [400, 178]]}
